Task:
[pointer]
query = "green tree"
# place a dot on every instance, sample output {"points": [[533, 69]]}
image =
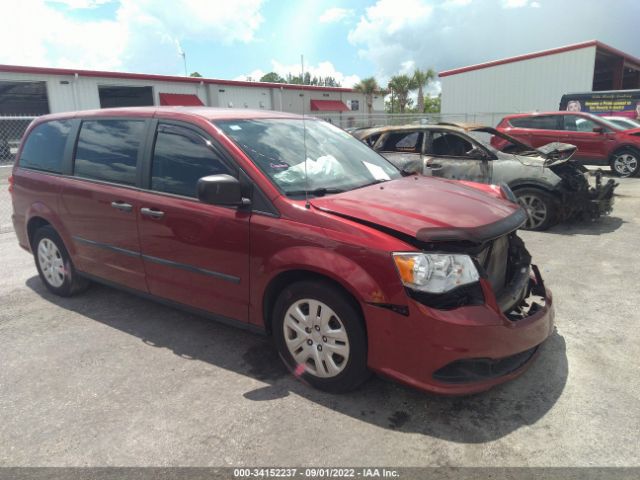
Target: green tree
{"points": [[272, 77], [369, 87], [400, 86], [421, 78], [432, 104], [195, 74]]}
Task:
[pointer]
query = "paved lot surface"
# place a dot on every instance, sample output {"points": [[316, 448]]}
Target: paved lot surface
{"points": [[109, 379], [5, 203]]}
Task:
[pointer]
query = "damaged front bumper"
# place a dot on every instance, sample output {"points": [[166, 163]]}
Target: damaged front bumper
{"points": [[584, 201], [601, 201], [460, 349]]}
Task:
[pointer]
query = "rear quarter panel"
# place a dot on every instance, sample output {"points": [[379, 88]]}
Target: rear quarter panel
{"points": [[37, 195]]}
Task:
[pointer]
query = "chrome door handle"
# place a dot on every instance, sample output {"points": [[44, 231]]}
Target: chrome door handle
{"points": [[125, 207], [150, 212]]}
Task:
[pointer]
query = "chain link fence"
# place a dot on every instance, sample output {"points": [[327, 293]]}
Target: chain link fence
{"points": [[11, 131], [353, 120]]}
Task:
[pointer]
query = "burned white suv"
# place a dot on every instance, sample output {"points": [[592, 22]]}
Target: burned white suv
{"points": [[547, 183]]}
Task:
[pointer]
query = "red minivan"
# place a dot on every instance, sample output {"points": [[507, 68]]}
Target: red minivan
{"points": [[599, 141], [290, 227]]}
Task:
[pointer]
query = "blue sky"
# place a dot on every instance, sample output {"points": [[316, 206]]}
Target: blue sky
{"points": [[347, 39]]}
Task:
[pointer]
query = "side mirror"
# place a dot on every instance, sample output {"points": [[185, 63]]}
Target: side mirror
{"points": [[598, 129], [221, 190]]}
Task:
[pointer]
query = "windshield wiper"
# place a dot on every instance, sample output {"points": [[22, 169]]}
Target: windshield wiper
{"points": [[317, 192], [375, 182]]}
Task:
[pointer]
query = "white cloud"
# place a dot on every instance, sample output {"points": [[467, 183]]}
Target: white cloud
{"points": [[77, 4], [141, 36], [335, 14], [322, 69], [456, 3], [390, 32], [520, 4], [253, 76]]}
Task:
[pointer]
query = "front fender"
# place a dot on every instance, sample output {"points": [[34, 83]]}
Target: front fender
{"points": [[329, 263], [531, 182]]}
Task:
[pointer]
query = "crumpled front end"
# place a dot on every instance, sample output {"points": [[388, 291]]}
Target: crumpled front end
{"points": [[477, 335], [579, 198]]}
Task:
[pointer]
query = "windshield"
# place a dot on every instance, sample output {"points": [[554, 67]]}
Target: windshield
{"points": [[622, 122], [608, 123], [336, 161]]}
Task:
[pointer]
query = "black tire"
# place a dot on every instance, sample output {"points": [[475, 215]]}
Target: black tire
{"points": [[530, 198], [621, 159], [72, 283], [354, 371]]}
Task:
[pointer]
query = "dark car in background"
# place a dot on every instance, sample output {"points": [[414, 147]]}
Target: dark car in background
{"points": [[546, 182], [599, 141]]}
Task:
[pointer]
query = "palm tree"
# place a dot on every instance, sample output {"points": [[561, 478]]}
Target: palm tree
{"points": [[369, 87], [401, 85], [420, 79]]}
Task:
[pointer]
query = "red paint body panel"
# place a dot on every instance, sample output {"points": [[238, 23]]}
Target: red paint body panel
{"points": [[428, 339], [207, 237], [88, 215], [412, 203], [223, 260]]}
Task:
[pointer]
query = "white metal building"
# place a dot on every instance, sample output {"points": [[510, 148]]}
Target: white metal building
{"points": [[537, 81], [36, 91]]}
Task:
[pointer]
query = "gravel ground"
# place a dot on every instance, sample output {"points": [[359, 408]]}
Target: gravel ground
{"points": [[107, 379]]}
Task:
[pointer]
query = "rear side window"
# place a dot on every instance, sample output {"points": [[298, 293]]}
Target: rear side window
{"points": [[403, 142], [44, 147], [180, 158], [447, 144], [541, 122], [108, 150]]}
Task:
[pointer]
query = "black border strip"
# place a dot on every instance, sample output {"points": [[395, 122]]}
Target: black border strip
{"points": [[160, 261], [191, 268], [106, 246]]}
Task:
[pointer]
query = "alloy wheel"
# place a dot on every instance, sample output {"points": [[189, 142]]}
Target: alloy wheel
{"points": [[316, 338], [536, 209], [51, 262], [625, 164]]}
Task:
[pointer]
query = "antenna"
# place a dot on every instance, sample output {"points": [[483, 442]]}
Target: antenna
{"points": [[304, 137]]}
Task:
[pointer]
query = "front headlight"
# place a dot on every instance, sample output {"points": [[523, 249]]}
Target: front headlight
{"points": [[435, 272]]}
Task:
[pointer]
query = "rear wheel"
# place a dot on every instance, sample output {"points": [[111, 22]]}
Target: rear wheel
{"points": [[320, 336], [540, 207], [626, 162], [54, 264]]}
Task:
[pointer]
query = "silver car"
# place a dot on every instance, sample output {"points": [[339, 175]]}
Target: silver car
{"points": [[545, 181]]}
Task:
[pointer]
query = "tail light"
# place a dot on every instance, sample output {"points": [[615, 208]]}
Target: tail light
{"points": [[10, 183]]}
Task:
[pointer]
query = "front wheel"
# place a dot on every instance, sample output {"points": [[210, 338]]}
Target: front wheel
{"points": [[626, 163], [320, 336], [540, 208]]}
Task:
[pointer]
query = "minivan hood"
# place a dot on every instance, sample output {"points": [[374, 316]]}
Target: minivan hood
{"points": [[427, 209]]}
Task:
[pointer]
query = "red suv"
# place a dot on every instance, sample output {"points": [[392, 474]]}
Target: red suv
{"points": [[290, 227], [599, 141]]}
